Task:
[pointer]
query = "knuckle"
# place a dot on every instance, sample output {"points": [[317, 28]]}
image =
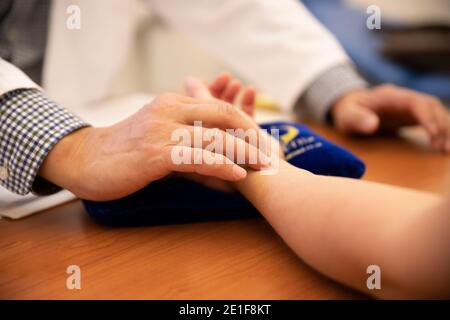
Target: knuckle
{"points": [[156, 104], [411, 101], [164, 99], [387, 87], [160, 99], [166, 104], [435, 101]]}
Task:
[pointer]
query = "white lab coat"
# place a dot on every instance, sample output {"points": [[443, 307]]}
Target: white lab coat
{"points": [[274, 44]]}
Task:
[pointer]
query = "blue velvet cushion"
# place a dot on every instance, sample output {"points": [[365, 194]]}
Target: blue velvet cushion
{"points": [[307, 150], [181, 201]]}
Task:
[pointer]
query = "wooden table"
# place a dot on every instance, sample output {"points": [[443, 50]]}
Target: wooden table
{"points": [[221, 260]]}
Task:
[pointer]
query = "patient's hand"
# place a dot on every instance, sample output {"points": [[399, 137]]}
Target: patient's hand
{"points": [[390, 107], [225, 88]]}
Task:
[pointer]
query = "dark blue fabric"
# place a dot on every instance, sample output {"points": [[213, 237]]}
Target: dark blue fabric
{"points": [[363, 46], [181, 201], [305, 149], [171, 201]]}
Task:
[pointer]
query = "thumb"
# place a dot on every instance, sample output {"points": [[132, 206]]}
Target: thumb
{"points": [[196, 88], [357, 119]]}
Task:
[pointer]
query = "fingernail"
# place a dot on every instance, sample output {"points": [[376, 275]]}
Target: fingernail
{"points": [[239, 172]]}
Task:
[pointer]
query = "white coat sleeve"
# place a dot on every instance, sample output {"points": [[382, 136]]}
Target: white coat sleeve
{"points": [[12, 78], [276, 45]]}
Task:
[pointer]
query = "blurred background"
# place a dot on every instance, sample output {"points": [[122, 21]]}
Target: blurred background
{"points": [[412, 48]]}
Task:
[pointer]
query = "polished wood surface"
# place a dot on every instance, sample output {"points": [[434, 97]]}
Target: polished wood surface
{"points": [[221, 260]]}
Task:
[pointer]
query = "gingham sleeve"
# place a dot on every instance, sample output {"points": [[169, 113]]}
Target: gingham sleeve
{"points": [[30, 125]]}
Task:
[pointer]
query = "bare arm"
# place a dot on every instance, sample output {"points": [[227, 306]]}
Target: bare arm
{"points": [[341, 226]]}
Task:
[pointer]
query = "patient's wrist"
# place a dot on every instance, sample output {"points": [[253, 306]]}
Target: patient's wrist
{"points": [[282, 175]]}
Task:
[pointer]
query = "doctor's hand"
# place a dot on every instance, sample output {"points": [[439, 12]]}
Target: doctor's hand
{"points": [[113, 162], [388, 107], [225, 88]]}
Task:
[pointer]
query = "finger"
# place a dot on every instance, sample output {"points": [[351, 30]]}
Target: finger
{"points": [[421, 109], [180, 100], [237, 150], [425, 116], [447, 144], [356, 119], [192, 162], [438, 141], [219, 114], [231, 91], [248, 101], [219, 85], [441, 115], [196, 88]]}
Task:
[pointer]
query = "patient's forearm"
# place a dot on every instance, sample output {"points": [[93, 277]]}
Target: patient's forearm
{"points": [[341, 226]]}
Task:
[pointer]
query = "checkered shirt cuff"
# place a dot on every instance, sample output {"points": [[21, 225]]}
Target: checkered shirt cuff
{"points": [[30, 126]]}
